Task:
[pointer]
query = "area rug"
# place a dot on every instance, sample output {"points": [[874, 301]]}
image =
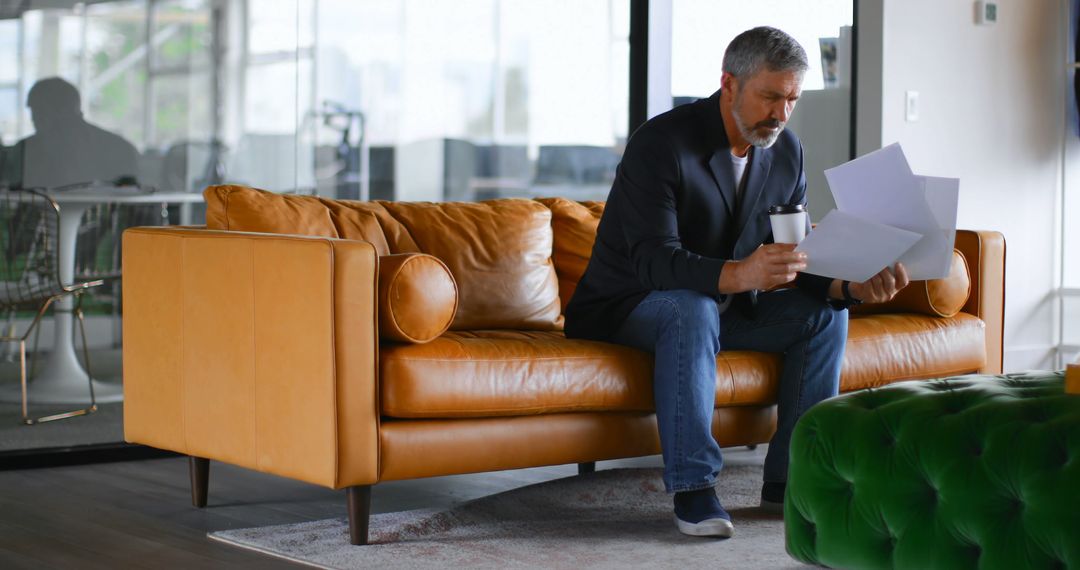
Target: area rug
{"points": [[615, 518]]}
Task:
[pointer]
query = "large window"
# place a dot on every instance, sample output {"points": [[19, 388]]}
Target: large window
{"points": [[10, 32], [392, 99], [470, 100]]}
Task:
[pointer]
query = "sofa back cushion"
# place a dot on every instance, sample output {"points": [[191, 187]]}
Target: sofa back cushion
{"points": [[935, 297], [359, 221], [244, 209], [574, 225], [498, 251]]}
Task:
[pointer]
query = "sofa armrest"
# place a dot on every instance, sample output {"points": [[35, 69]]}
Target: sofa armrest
{"points": [[253, 349], [985, 254]]}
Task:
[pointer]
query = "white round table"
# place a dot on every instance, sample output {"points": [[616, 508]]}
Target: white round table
{"points": [[62, 378]]}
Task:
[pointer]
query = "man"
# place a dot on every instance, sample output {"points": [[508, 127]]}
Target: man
{"points": [[682, 267], [66, 149]]}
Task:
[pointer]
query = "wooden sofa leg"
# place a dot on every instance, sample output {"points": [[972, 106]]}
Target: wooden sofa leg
{"points": [[588, 467], [200, 479], [359, 499]]}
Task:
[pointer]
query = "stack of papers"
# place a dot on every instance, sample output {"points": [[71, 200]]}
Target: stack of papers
{"points": [[884, 214]]}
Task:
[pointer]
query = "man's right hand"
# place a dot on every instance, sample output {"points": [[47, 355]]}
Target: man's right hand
{"points": [[770, 265]]}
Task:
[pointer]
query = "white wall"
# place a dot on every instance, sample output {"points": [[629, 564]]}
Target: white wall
{"points": [[991, 114]]}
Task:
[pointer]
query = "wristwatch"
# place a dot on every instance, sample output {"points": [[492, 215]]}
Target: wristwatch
{"points": [[847, 294]]}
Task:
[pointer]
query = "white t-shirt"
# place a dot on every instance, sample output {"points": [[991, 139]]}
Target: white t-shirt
{"points": [[739, 163]]}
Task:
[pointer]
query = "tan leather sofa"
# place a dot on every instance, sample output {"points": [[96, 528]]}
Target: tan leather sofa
{"points": [[349, 343]]}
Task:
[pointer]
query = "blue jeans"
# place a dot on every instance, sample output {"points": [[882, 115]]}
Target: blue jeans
{"points": [[685, 330]]}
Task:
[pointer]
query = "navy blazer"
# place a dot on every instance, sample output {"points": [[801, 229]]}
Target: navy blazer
{"points": [[672, 217]]}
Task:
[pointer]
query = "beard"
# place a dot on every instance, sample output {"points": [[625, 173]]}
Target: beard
{"points": [[762, 134]]}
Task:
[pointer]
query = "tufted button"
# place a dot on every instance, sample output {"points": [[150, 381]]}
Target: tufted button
{"points": [[1016, 507], [872, 399], [935, 497], [953, 402], [1059, 455], [888, 542], [975, 553], [1013, 381], [1037, 414]]}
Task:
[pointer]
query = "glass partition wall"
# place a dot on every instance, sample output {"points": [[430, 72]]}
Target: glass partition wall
{"points": [[390, 99], [372, 99]]}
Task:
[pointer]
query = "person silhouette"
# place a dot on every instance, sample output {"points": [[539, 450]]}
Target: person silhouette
{"points": [[65, 148], [4, 151]]}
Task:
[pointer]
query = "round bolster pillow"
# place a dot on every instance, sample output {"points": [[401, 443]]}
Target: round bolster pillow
{"points": [[418, 297], [935, 297]]}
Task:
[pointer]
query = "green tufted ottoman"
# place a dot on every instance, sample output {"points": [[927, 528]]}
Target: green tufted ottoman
{"points": [[967, 472]]}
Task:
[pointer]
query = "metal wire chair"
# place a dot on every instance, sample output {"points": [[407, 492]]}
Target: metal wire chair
{"points": [[30, 279], [98, 247]]}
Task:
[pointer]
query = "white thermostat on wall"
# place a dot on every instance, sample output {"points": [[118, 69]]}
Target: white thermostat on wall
{"points": [[986, 12]]}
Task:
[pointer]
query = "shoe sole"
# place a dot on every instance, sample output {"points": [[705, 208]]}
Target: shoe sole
{"points": [[712, 527], [772, 507]]}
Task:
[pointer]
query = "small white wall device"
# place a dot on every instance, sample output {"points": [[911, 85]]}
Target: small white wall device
{"points": [[986, 12]]}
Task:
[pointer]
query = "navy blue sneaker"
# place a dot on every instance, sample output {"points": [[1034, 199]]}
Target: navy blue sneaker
{"points": [[699, 513]]}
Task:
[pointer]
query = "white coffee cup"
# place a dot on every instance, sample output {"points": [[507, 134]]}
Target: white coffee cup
{"points": [[788, 223]]}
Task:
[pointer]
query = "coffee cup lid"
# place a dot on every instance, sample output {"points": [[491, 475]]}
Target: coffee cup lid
{"points": [[786, 209]]}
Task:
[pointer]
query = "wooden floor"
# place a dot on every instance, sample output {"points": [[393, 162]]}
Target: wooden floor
{"points": [[138, 514]]}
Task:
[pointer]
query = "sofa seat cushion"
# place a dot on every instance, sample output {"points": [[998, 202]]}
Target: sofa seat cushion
{"points": [[886, 348], [512, 373]]}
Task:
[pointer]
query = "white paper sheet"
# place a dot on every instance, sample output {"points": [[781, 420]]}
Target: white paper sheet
{"points": [[858, 185], [931, 257], [846, 247], [943, 195], [880, 187]]}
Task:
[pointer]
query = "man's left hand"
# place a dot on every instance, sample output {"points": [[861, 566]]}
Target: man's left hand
{"points": [[881, 287]]}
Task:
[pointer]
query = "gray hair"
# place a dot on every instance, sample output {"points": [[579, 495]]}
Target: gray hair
{"points": [[763, 47]]}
